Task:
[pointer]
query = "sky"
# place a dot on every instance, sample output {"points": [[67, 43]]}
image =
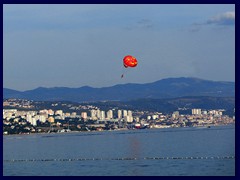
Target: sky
{"points": [[75, 45]]}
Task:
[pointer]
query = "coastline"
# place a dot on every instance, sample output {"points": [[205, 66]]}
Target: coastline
{"points": [[122, 129]]}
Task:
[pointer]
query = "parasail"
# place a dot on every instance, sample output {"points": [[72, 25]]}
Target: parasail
{"points": [[129, 61]]}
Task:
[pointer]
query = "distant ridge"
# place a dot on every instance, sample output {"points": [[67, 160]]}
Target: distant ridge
{"points": [[165, 88]]}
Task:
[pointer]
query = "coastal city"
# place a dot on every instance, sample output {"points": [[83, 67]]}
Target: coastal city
{"points": [[19, 118]]}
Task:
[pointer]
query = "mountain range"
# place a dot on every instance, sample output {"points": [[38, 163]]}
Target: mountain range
{"points": [[165, 88]]}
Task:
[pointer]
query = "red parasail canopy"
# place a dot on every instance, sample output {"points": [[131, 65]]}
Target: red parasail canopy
{"points": [[130, 61]]}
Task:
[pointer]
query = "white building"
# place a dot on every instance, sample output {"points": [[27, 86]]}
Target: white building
{"points": [[175, 114], [50, 112], [59, 112], [137, 119], [129, 113], [9, 113], [110, 114], [98, 113], [125, 113], [93, 114], [34, 121], [155, 116], [204, 112], [84, 115], [128, 119], [119, 114], [31, 119], [196, 111], [42, 118], [102, 115]]}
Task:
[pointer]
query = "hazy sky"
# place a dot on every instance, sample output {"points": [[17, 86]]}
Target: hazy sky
{"points": [[78, 45]]}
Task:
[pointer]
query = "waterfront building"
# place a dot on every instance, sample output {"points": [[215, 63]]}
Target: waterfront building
{"points": [[42, 118], [8, 113], [34, 121], [29, 117], [196, 112], [129, 113], [110, 114], [102, 115], [125, 113], [204, 112], [98, 113], [137, 119], [93, 114], [119, 114], [128, 119]]}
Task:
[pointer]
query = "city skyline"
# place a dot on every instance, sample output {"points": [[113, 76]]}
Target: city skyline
{"points": [[78, 45], [90, 117]]}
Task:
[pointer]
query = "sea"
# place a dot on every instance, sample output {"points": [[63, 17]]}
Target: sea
{"points": [[188, 151]]}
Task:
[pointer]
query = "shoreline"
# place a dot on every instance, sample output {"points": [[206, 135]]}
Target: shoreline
{"points": [[122, 129]]}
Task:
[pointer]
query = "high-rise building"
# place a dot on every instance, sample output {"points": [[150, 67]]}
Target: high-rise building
{"points": [[119, 114], [129, 113], [34, 121], [29, 118], [125, 113], [93, 114], [128, 119], [196, 111], [175, 114], [42, 118], [110, 114], [98, 113], [102, 115]]}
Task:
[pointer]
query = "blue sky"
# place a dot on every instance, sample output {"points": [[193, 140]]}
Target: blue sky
{"points": [[77, 45]]}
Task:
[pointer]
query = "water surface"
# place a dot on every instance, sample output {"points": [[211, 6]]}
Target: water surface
{"points": [[148, 152]]}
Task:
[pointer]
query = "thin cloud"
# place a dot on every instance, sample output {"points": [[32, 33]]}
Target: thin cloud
{"points": [[145, 23], [224, 19], [227, 18], [142, 24]]}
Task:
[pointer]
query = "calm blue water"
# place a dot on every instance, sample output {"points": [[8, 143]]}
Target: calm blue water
{"points": [[101, 150]]}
